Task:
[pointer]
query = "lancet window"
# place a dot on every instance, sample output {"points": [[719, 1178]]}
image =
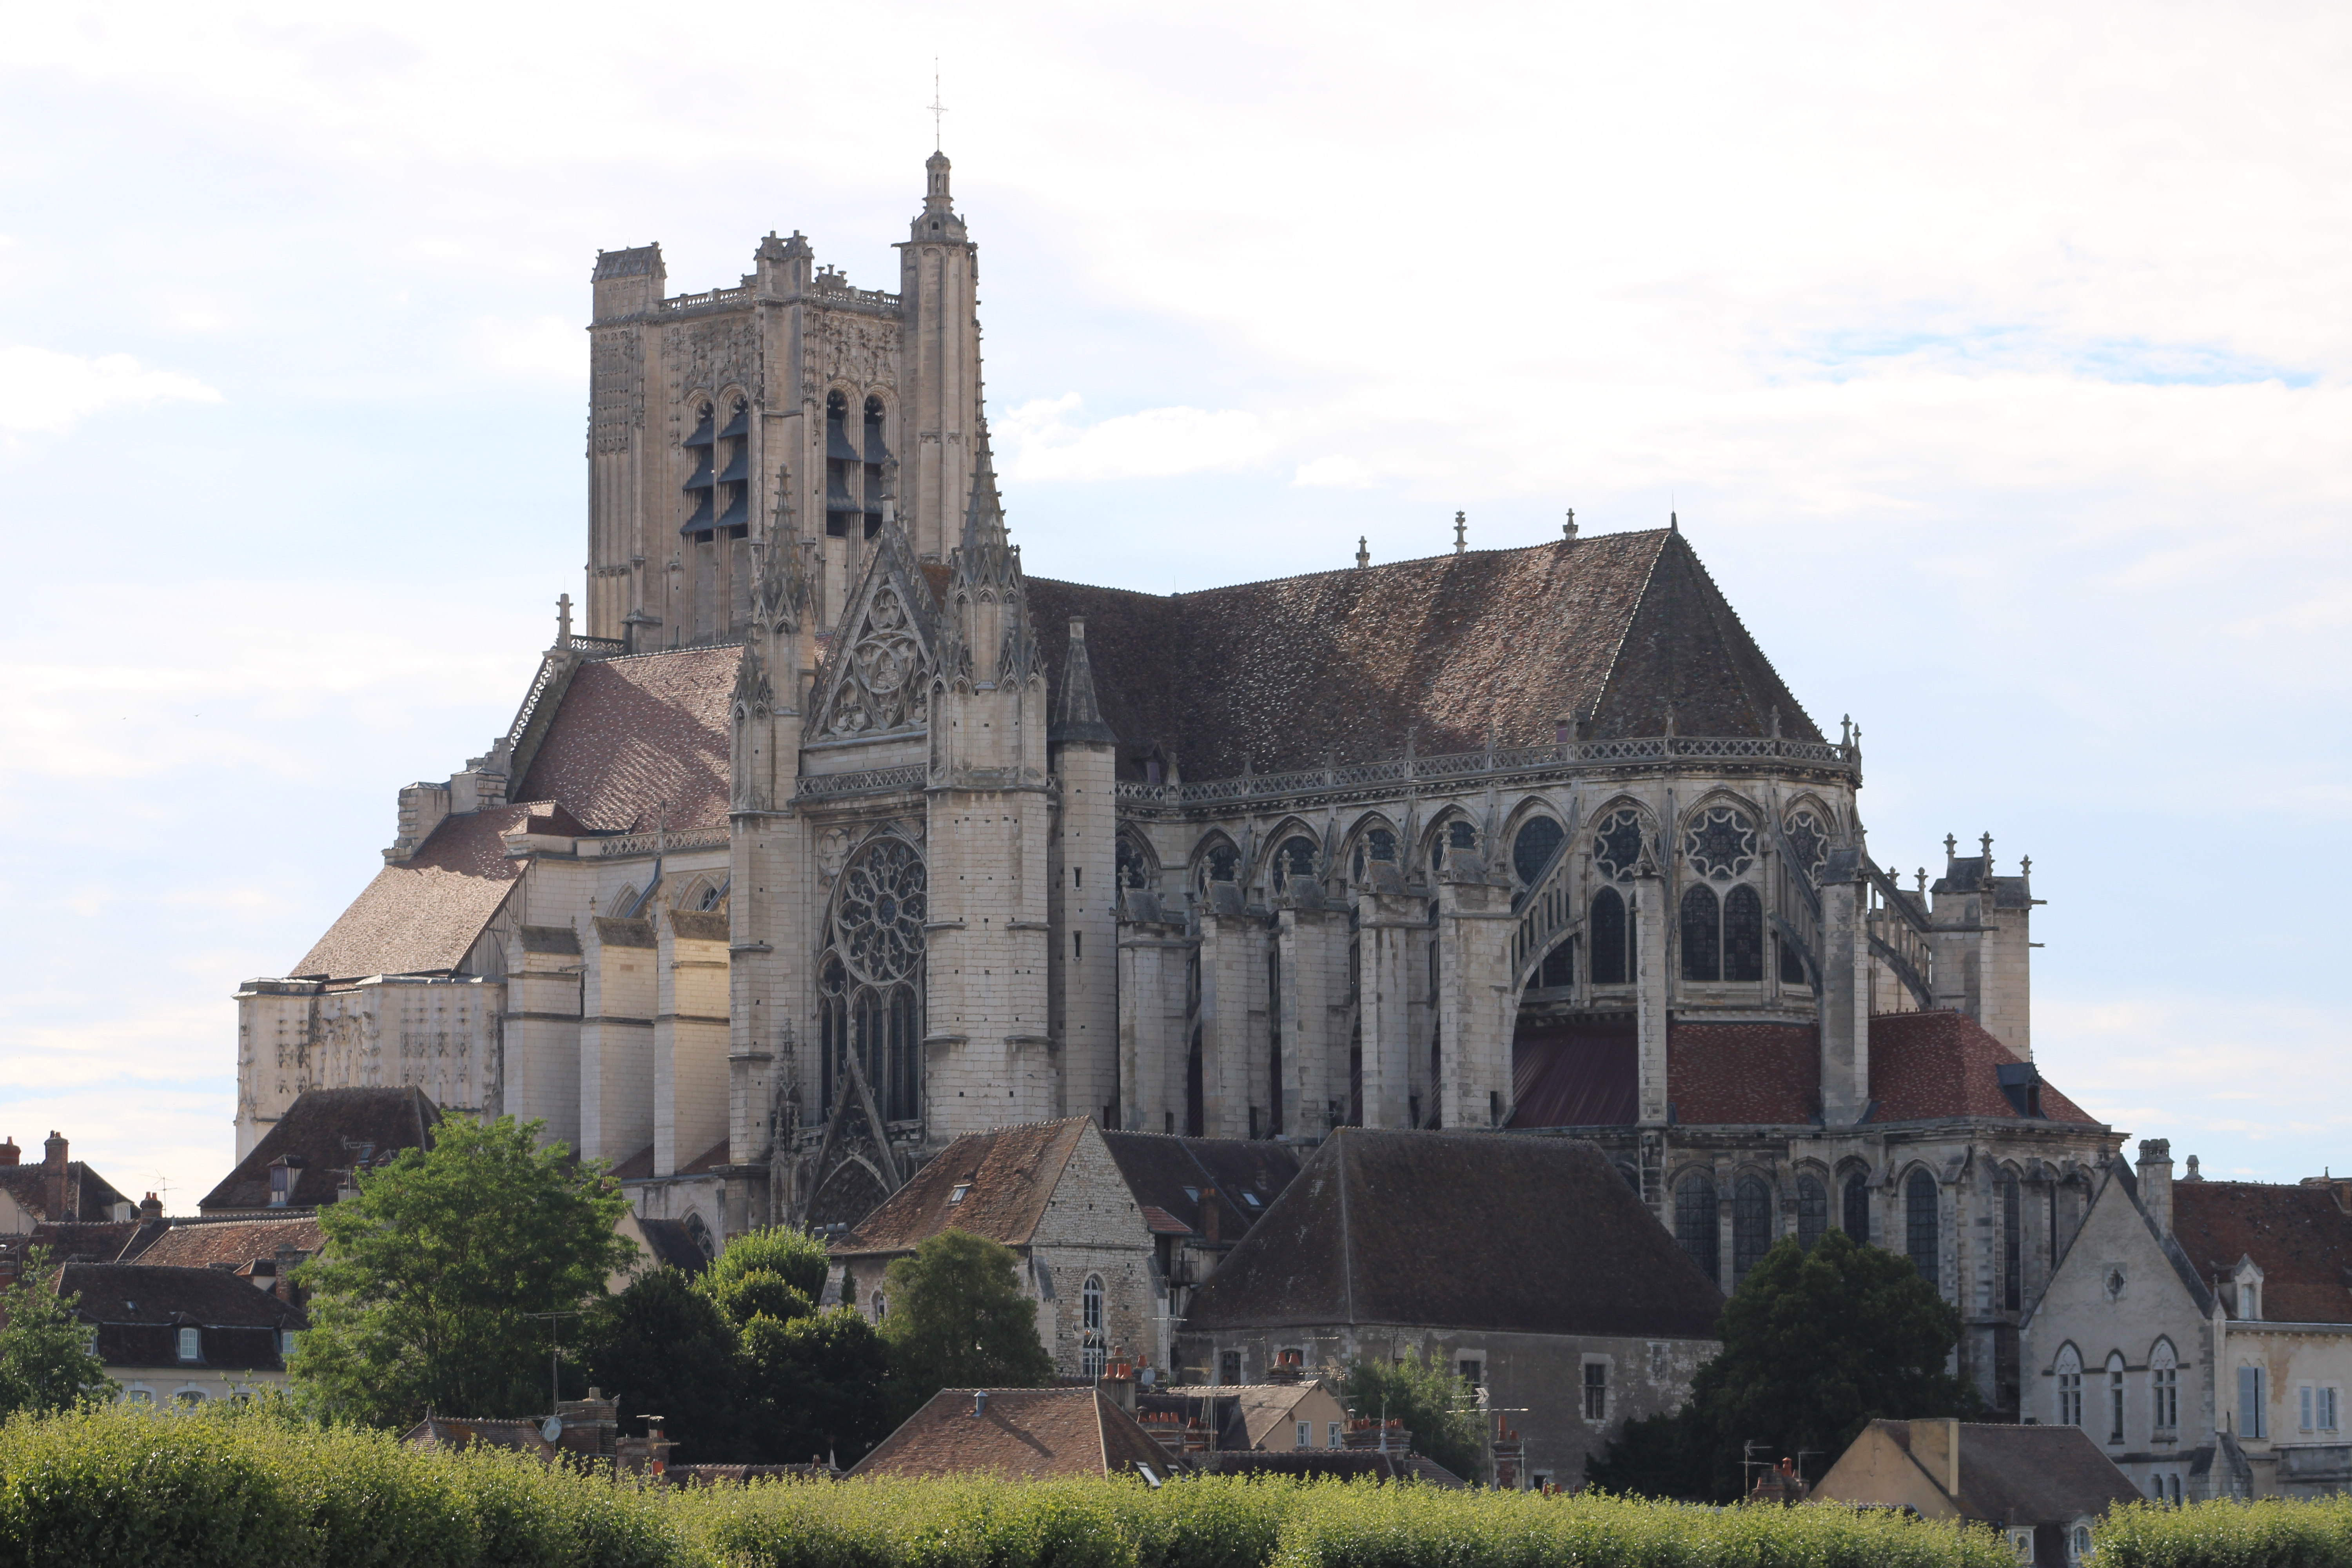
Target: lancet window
{"points": [[844, 472], [1922, 1225], [1611, 933], [1812, 1211], [876, 454], [1457, 834], [1855, 1219], [1696, 1224], [1294, 858], [1134, 866], [2012, 1243], [1751, 1226], [870, 978], [1722, 938], [702, 484], [1380, 844]]}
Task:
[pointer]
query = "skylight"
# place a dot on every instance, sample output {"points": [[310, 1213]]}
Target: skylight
{"points": [[961, 1188]]}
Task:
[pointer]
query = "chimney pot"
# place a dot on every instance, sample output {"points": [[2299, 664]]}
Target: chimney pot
{"points": [[10, 1154]]}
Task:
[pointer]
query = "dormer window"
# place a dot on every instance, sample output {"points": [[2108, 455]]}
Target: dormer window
{"points": [[190, 1345]]}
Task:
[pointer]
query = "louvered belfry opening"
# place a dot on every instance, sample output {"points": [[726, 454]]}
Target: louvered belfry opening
{"points": [[876, 454], [733, 454], [844, 472], [701, 486]]}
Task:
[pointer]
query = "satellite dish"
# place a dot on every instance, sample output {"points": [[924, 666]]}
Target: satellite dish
{"points": [[552, 1429]]}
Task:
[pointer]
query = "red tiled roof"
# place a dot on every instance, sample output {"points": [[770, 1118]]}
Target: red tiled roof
{"points": [[1925, 1066], [1619, 626], [1162, 1223], [421, 918], [633, 734], [1023, 1432], [1743, 1073], [239, 1241], [1008, 1176], [2297, 1235]]}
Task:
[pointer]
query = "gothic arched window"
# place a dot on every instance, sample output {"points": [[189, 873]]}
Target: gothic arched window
{"points": [[1458, 834], [702, 485], [1695, 1225], [2164, 1386], [844, 471], [1220, 863], [1812, 1211], [1611, 933], [1751, 1226], [1294, 858], [1743, 935], [1617, 844], [1134, 866], [1702, 942], [1922, 1226], [876, 454], [870, 978], [2070, 1386], [2012, 1243], [1093, 1354], [1855, 1219], [1379, 844], [1531, 852]]}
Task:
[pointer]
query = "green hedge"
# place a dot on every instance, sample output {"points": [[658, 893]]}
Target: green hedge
{"points": [[255, 1489]]}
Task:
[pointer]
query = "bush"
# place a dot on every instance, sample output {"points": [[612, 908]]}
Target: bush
{"points": [[2272, 1533]]}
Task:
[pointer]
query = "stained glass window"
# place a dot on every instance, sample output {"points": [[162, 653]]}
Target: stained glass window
{"points": [[2012, 1244], [1558, 967], [1531, 852], [1720, 843], [1702, 942], [1695, 1225], [1812, 1211], [1134, 865], [1856, 1217], [1382, 844], [1922, 1227], [1809, 840], [1743, 935], [1459, 835], [1751, 1226], [1608, 939], [1224, 862], [1617, 844], [869, 999], [1295, 858]]}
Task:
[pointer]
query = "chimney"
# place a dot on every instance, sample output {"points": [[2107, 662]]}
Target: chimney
{"points": [[1209, 1216], [53, 1168], [9, 1154], [151, 1207], [1118, 1382], [1937, 1446], [2156, 1181]]}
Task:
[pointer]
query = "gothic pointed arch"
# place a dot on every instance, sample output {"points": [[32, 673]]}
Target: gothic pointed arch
{"points": [[1452, 829], [870, 982], [1293, 850], [877, 677], [1215, 859], [1373, 838]]}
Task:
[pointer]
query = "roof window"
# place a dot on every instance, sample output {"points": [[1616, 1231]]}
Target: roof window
{"points": [[1192, 1194], [1250, 1198], [961, 1188]]}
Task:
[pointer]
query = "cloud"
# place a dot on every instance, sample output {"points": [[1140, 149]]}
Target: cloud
{"points": [[43, 392], [1046, 445]]}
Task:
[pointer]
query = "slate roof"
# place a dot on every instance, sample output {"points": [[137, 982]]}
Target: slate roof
{"points": [[1617, 627], [2297, 1235], [330, 1130], [1461, 1230], [1165, 1172], [673, 1246], [139, 1311], [1023, 1432], [204, 1244], [2027, 1475], [634, 733], [1923, 1066], [89, 1197], [1012, 1174]]}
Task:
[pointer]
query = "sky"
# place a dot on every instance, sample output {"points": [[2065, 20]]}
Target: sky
{"points": [[1995, 359]]}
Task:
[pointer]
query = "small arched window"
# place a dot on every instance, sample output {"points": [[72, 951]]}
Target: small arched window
{"points": [[1539, 840], [881, 1306], [2069, 1369], [1611, 930], [2114, 1397], [1922, 1225], [1702, 933], [1751, 1227], [1695, 1225], [1855, 1217], [1093, 1354], [2164, 1387], [1812, 1211]]}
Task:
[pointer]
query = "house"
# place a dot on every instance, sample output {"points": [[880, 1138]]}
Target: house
{"points": [[1526, 1264], [1020, 1434], [1199, 1419], [2043, 1487], [183, 1336], [262, 1250], [307, 1156], [2201, 1332], [58, 1191], [1105, 1225]]}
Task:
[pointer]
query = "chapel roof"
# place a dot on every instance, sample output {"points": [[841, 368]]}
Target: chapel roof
{"points": [[328, 1132], [995, 1184], [1923, 1067], [1462, 1230], [2297, 1235], [1027, 1432], [1619, 629]]}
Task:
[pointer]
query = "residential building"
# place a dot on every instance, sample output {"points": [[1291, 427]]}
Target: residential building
{"points": [[2045, 1489], [1301, 1413], [1528, 1266], [1020, 1434], [58, 1191], [183, 1336], [2200, 1332], [306, 1155]]}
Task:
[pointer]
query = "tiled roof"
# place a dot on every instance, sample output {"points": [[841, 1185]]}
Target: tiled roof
{"points": [[634, 734], [1165, 1174], [1007, 1177], [455, 1432], [90, 1198], [1023, 1432], [1262, 1408], [1462, 1230], [2297, 1235], [1923, 1066], [421, 917], [1619, 628], [204, 1243], [330, 1130], [139, 1311], [2029, 1475]]}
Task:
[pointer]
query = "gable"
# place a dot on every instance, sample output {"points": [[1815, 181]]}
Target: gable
{"points": [[1091, 1204], [2077, 1305], [875, 679], [1007, 1178]]}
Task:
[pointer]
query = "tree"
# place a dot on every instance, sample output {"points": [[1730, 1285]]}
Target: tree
{"points": [[423, 1295], [1816, 1345], [671, 1349], [819, 1386], [957, 1320], [46, 1361], [797, 1258], [1440, 1410]]}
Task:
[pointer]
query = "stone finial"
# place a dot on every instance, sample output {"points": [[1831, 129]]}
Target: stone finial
{"points": [[1988, 854], [1673, 523], [564, 620], [1461, 528], [2025, 865], [1951, 850], [1923, 879], [1567, 529], [1363, 555]]}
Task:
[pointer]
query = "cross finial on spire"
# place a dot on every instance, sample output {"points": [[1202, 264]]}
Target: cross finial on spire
{"points": [[1459, 529], [1568, 530], [1363, 555], [938, 139]]}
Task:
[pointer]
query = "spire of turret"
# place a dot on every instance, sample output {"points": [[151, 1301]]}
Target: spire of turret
{"points": [[984, 513], [1078, 716], [988, 605], [782, 592]]}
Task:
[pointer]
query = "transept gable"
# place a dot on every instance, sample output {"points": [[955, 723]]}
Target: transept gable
{"points": [[876, 676], [1686, 664]]}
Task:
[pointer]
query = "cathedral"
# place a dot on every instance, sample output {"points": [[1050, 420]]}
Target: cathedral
{"points": [[827, 833]]}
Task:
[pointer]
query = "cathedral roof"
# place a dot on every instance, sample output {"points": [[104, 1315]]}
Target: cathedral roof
{"points": [[1615, 631], [636, 734], [1460, 1230], [421, 916], [1923, 1067], [2299, 1236]]}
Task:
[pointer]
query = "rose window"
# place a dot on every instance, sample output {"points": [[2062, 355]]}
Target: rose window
{"points": [[879, 923], [1721, 844], [1617, 844], [1809, 841]]}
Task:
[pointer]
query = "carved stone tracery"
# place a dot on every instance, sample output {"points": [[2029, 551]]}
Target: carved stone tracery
{"points": [[884, 686]]}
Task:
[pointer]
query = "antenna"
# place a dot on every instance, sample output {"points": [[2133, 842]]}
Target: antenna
{"points": [[938, 109]]}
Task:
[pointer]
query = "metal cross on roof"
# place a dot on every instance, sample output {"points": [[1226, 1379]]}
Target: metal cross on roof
{"points": [[938, 109]]}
